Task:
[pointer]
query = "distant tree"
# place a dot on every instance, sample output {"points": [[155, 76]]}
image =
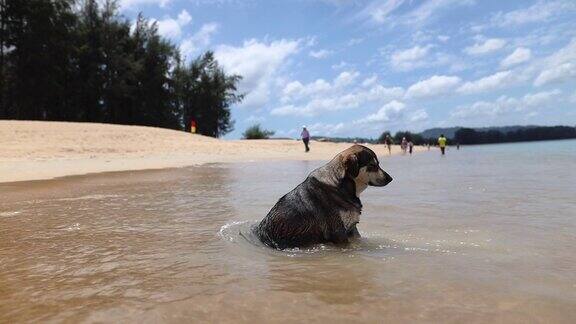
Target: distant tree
{"points": [[123, 58], [90, 58], [80, 60], [466, 136], [155, 107], [471, 136], [205, 93], [417, 139], [37, 58], [256, 132]]}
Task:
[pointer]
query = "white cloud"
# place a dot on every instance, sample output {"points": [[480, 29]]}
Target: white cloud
{"points": [[538, 12], [172, 28], [320, 54], [184, 17], [504, 105], [303, 100], [259, 63], [379, 11], [540, 98], [520, 55], [557, 73], [326, 129], [345, 78], [390, 111], [135, 4], [418, 116], [443, 38], [199, 40], [295, 90], [491, 82], [409, 59], [290, 110], [253, 119], [385, 11], [380, 93], [421, 56], [340, 66], [318, 105], [488, 46], [433, 86], [425, 12], [354, 41], [368, 82], [557, 67]]}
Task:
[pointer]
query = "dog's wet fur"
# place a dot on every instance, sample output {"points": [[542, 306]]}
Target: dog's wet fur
{"points": [[325, 208]]}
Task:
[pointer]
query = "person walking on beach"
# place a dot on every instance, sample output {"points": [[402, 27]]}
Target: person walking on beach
{"points": [[388, 142], [410, 147], [442, 143], [305, 138]]}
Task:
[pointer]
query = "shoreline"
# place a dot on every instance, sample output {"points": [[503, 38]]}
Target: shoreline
{"points": [[38, 150]]}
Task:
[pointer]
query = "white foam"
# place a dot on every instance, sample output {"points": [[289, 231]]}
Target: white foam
{"points": [[10, 213]]}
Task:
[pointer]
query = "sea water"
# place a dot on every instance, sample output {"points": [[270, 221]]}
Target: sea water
{"points": [[482, 234]]}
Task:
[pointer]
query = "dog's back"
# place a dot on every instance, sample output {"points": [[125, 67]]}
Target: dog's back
{"points": [[307, 215]]}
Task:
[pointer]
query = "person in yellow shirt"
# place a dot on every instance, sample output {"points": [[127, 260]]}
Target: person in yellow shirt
{"points": [[442, 143]]}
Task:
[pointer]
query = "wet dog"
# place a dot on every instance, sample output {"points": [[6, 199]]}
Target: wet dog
{"points": [[325, 208]]}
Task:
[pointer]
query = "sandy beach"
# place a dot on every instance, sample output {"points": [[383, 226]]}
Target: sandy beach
{"points": [[34, 150]]}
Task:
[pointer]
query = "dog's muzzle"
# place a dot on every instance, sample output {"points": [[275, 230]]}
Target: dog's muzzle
{"points": [[381, 181]]}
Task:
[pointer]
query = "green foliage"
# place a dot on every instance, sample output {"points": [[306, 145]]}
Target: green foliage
{"points": [[77, 60], [417, 139], [539, 133], [256, 132], [205, 93]]}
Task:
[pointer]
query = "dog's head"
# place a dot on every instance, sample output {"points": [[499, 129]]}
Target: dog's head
{"points": [[361, 165]]}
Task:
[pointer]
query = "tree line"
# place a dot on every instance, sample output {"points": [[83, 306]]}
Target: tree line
{"points": [[536, 133], [489, 136], [415, 138], [80, 60]]}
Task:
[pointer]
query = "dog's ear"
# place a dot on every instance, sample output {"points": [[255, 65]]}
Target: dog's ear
{"points": [[351, 166]]}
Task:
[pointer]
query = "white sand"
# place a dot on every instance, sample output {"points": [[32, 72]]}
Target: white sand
{"points": [[32, 150]]}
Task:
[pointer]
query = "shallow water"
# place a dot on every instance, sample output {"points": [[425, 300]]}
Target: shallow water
{"points": [[485, 234]]}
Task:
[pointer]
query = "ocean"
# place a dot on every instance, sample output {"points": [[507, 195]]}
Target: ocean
{"points": [[482, 234]]}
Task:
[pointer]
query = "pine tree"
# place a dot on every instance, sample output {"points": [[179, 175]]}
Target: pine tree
{"points": [[80, 61]]}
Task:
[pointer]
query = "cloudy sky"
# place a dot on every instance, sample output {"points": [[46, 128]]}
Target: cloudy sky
{"points": [[356, 68]]}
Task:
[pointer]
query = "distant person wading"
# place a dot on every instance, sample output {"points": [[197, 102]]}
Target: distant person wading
{"points": [[305, 137], [388, 142], [404, 145], [442, 143]]}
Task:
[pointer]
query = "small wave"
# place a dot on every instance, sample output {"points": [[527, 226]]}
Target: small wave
{"points": [[370, 244], [89, 197], [241, 232], [10, 213]]}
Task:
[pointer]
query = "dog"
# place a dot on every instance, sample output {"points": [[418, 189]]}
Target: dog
{"points": [[325, 208]]}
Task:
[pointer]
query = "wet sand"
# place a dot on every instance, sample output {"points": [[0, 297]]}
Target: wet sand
{"points": [[488, 244], [32, 150]]}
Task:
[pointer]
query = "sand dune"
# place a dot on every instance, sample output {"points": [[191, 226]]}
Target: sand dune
{"points": [[34, 150]]}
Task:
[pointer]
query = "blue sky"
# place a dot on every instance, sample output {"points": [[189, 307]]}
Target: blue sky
{"points": [[357, 68]]}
